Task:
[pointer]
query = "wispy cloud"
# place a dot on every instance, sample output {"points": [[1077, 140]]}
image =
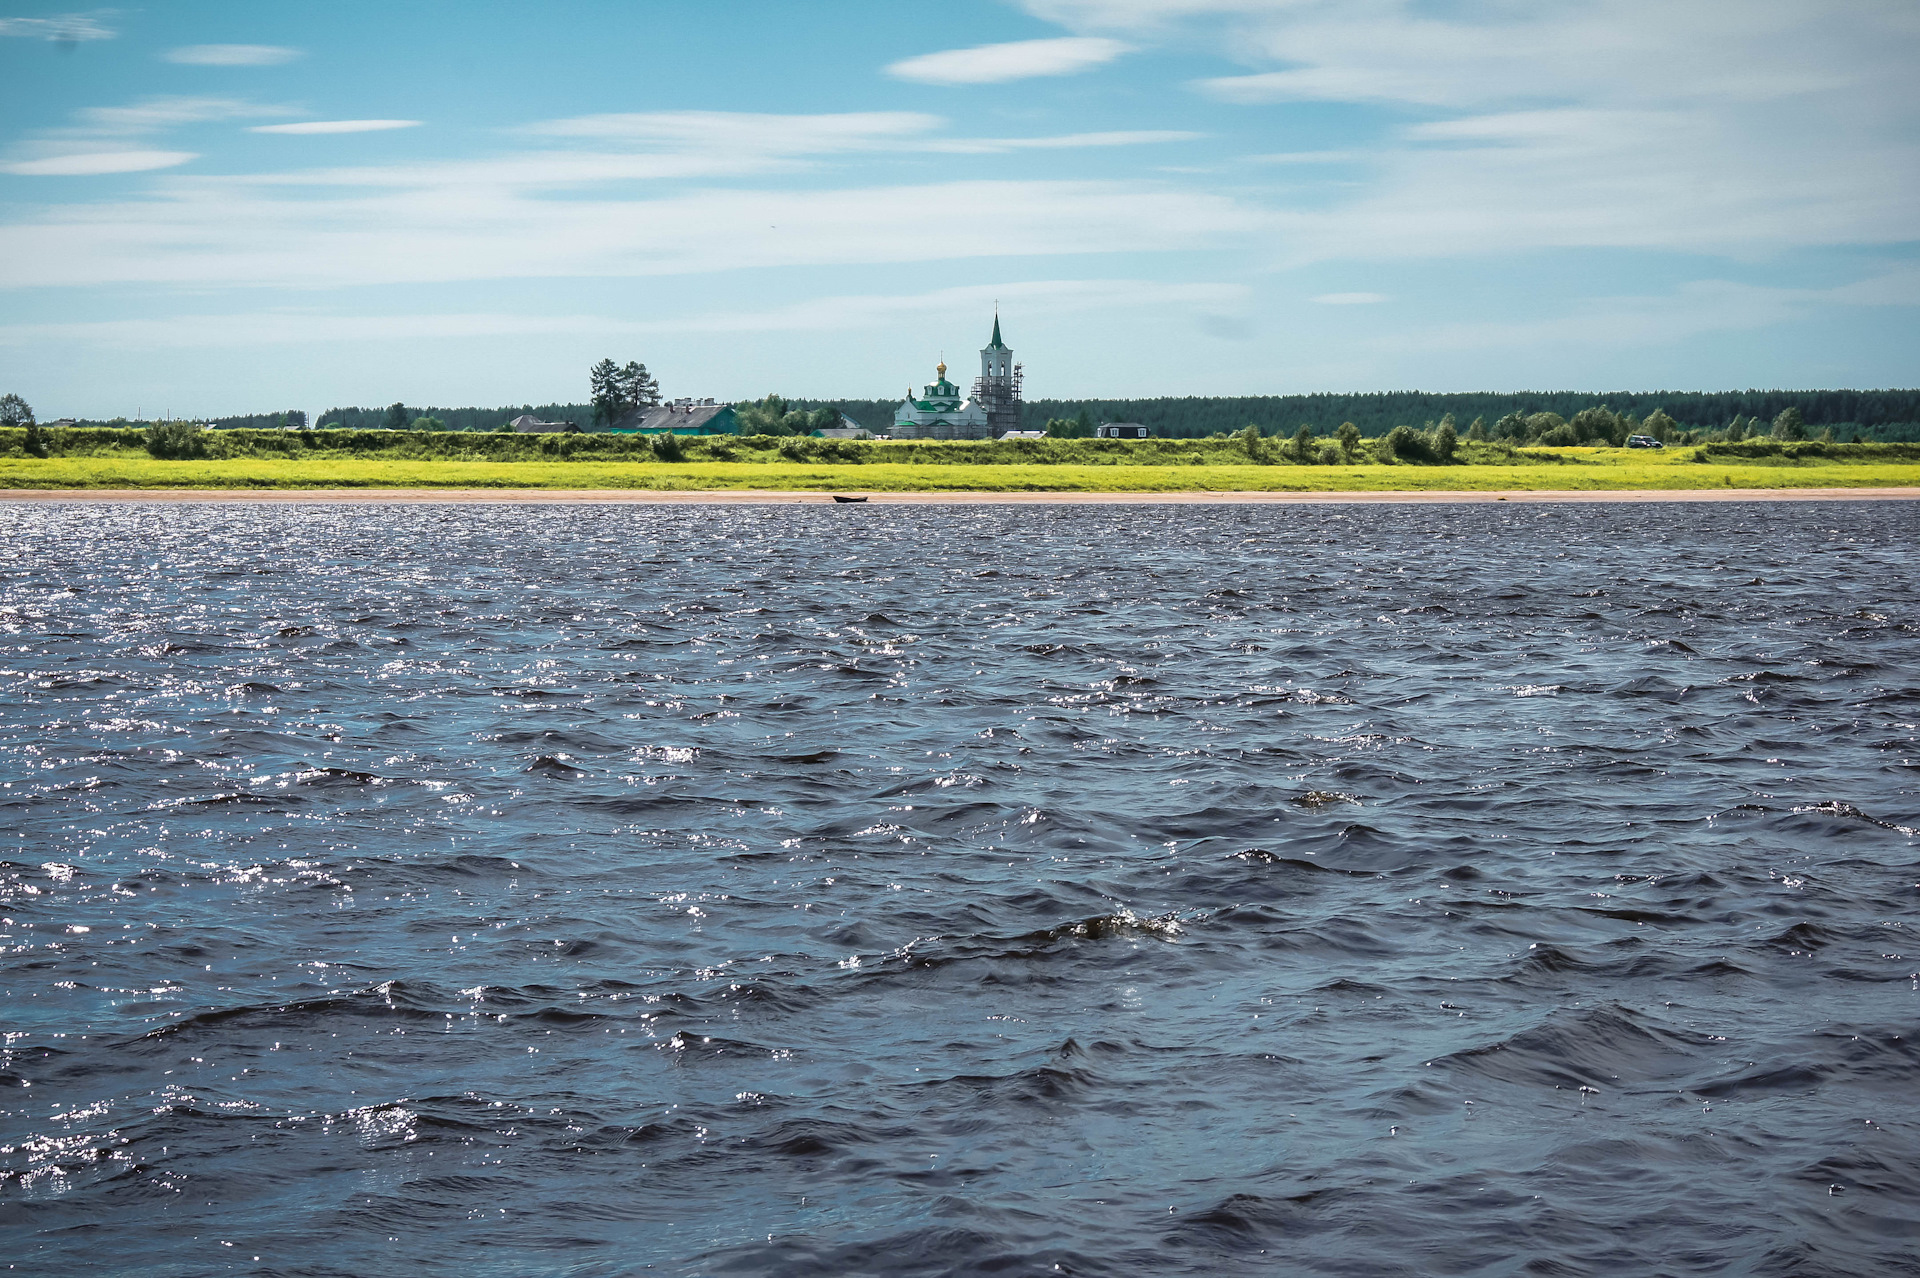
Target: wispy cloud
{"points": [[94, 163], [214, 232], [834, 313], [232, 55], [1060, 142], [1602, 123], [1349, 299], [1018, 60], [153, 115], [106, 140], [68, 28], [336, 126]]}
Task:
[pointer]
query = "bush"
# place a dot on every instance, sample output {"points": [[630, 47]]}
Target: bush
{"points": [[1445, 441], [668, 448], [1348, 437], [36, 443], [1403, 443], [176, 441]]}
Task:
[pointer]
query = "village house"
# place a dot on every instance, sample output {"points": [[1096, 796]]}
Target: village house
{"points": [[681, 417], [528, 424]]}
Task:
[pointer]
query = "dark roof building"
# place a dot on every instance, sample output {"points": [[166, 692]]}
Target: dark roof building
{"points": [[682, 417], [528, 424], [1121, 430]]}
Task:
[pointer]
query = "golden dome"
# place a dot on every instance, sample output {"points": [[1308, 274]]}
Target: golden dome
{"points": [[941, 368]]}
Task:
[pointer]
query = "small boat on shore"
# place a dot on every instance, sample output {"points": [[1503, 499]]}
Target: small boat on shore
{"points": [[847, 501]]}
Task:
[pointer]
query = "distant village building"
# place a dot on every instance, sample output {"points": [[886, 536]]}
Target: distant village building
{"points": [[1121, 430], [1025, 434], [528, 424], [941, 412], [681, 417], [847, 429]]}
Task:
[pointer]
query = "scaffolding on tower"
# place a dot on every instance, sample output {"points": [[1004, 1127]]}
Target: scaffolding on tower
{"points": [[1000, 397]]}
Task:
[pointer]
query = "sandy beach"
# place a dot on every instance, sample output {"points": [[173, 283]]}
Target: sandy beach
{"points": [[763, 497]]}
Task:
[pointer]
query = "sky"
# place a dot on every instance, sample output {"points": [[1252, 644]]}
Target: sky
{"points": [[212, 207]]}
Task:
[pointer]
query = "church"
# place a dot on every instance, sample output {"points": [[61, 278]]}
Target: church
{"points": [[990, 412]]}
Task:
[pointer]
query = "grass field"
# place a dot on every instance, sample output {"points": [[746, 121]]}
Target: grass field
{"points": [[1567, 469]]}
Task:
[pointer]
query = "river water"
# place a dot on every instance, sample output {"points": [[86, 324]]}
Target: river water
{"points": [[960, 890]]}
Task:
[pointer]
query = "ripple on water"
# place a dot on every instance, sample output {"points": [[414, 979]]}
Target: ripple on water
{"points": [[921, 890]]}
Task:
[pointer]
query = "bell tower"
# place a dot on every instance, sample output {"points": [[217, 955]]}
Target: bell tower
{"points": [[997, 389]]}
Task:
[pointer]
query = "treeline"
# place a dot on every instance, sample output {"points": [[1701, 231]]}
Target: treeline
{"points": [[1880, 415], [449, 419], [1886, 415]]}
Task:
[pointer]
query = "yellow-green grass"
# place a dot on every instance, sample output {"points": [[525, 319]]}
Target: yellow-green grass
{"points": [[1574, 469]]}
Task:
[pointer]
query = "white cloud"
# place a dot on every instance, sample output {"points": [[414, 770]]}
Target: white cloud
{"points": [[1035, 299], [1349, 299], [1019, 60], [213, 232], [108, 139], [232, 55], [746, 131], [91, 163], [1593, 123], [152, 115], [336, 126], [69, 28], [1064, 141]]}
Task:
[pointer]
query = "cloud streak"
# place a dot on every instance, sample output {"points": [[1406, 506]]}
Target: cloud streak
{"points": [[836, 313], [70, 28], [232, 55], [212, 232], [95, 163], [1018, 60], [336, 126]]}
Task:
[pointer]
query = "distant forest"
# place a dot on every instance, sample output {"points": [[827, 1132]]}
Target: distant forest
{"points": [[1887, 415], [580, 415]]}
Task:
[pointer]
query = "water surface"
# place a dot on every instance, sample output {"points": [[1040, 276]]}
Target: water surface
{"points": [[960, 890]]}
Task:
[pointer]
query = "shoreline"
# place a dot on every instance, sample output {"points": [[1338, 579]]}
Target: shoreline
{"points": [[777, 497]]}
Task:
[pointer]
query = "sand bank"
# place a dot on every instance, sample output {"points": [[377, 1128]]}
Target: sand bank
{"points": [[764, 497]]}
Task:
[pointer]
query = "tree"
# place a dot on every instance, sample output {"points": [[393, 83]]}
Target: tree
{"points": [[14, 411], [1660, 426], [1789, 425], [764, 417], [1736, 429], [396, 418], [617, 391], [603, 381], [427, 423], [637, 388], [296, 419], [36, 443], [1445, 441], [1478, 431], [1249, 437], [1348, 437], [1303, 445]]}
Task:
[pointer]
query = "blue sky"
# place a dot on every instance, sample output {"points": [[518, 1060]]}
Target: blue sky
{"points": [[210, 208]]}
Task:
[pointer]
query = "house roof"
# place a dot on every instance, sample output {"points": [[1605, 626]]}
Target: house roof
{"points": [[671, 417]]}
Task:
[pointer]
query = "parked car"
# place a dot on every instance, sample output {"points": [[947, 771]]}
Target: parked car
{"points": [[1643, 441]]}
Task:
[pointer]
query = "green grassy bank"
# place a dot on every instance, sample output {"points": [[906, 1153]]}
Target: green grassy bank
{"points": [[87, 458]]}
